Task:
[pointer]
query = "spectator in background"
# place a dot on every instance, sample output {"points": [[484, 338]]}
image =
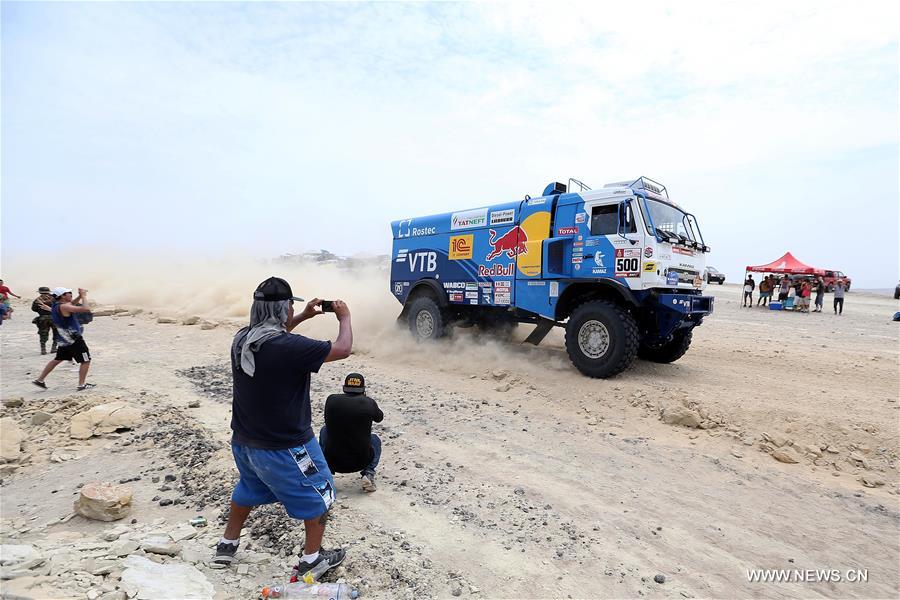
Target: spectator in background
{"points": [[43, 305], [765, 290], [749, 286], [5, 309], [820, 293], [784, 288], [839, 287], [804, 296]]}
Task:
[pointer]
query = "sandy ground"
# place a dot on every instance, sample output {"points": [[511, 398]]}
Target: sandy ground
{"points": [[505, 473]]}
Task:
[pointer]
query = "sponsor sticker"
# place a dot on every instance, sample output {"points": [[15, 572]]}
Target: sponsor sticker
{"points": [[598, 259], [576, 260], [454, 285], [649, 266], [502, 284], [698, 282], [469, 219], [472, 295], [485, 284], [398, 288], [537, 283], [672, 278], [648, 252], [684, 251], [473, 301], [501, 298], [554, 289], [578, 244], [567, 231], [536, 201], [456, 296], [461, 246], [581, 217], [503, 217], [628, 262], [599, 271], [497, 270], [406, 229], [592, 242], [471, 285], [577, 267]]}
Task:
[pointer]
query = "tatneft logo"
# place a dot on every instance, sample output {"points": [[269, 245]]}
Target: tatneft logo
{"points": [[461, 246], [469, 219]]}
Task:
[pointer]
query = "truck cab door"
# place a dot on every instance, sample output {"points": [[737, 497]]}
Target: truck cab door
{"points": [[612, 248]]}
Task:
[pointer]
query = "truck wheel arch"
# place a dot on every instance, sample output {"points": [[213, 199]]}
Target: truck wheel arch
{"points": [[429, 287], [605, 289]]}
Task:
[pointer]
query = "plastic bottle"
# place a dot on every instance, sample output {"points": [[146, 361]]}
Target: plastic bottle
{"points": [[312, 575], [331, 591]]}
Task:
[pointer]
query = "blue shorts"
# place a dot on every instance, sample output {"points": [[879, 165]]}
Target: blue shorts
{"points": [[298, 478]]}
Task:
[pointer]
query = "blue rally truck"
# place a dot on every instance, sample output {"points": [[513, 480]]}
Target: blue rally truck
{"points": [[620, 268]]}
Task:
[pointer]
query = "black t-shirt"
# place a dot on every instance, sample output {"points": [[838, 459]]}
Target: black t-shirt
{"points": [[349, 420], [271, 409]]}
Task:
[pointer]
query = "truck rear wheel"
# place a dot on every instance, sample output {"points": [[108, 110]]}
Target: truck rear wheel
{"points": [[669, 352], [601, 338], [426, 320]]}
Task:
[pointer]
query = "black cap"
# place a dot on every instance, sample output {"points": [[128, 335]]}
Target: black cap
{"points": [[354, 383], [274, 289]]}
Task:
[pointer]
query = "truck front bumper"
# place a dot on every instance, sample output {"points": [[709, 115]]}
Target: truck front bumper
{"points": [[686, 304]]}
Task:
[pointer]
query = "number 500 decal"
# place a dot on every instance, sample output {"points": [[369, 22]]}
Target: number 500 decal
{"points": [[628, 262]]}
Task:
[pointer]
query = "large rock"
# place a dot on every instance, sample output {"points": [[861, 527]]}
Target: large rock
{"points": [[104, 501], [13, 554], [677, 414], [104, 418], [37, 587], [10, 439], [147, 580]]}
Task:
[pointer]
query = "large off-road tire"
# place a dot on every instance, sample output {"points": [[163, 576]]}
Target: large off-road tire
{"points": [[426, 319], [669, 352], [601, 338]]}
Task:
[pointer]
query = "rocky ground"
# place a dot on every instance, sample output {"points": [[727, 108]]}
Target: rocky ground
{"points": [[772, 444]]}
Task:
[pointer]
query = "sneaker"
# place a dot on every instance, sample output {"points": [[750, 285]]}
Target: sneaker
{"points": [[224, 555], [368, 482], [331, 558], [40, 384]]}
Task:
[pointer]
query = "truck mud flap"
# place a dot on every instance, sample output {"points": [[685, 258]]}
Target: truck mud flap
{"points": [[544, 327]]}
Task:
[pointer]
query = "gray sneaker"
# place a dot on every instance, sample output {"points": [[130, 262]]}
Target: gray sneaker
{"points": [[368, 483], [224, 555]]}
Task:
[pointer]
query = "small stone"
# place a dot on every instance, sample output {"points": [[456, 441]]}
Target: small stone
{"points": [[519, 491], [11, 438], [457, 591], [161, 548], [165, 502], [191, 321], [194, 404], [243, 569], [165, 320], [13, 402], [659, 578], [503, 387], [784, 455], [40, 417], [170, 477]]}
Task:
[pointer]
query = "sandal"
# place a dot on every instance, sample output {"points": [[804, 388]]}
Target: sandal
{"points": [[81, 388], [40, 384]]}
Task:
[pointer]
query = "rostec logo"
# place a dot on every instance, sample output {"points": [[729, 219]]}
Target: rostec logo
{"points": [[510, 243], [405, 230], [422, 261], [469, 219], [461, 247]]}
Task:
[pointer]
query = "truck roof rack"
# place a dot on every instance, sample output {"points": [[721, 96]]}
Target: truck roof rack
{"points": [[645, 184]]}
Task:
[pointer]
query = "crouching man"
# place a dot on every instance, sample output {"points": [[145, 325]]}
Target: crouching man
{"points": [[273, 443], [347, 438]]}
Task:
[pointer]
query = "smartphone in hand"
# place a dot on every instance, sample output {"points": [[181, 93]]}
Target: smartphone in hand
{"points": [[327, 306]]}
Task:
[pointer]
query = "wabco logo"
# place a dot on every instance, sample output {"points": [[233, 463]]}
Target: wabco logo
{"points": [[422, 261], [461, 247]]}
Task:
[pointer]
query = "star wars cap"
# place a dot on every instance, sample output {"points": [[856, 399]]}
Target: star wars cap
{"points": [[59, 291], [355, 383], [274, 289]]}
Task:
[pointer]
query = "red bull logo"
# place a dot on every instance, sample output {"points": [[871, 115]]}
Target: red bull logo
{"points": [[510, 243]]}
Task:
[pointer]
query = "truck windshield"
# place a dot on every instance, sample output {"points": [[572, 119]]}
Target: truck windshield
{"points": [[671, 220]]}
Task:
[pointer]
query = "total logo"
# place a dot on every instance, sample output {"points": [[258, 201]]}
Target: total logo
{"points": [[510, 243]]}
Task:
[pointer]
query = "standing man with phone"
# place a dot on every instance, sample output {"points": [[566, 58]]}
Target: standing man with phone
{"points": [[273, 444]]}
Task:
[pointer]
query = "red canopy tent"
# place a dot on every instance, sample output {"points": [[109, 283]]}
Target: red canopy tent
{"points": [[787, 264]]}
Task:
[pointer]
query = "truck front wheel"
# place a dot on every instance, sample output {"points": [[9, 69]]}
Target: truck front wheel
{"points": [[668, 352], [601, 338], [426, 321]]}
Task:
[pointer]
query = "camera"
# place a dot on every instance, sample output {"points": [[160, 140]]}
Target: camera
{"points": [[327, 306]]}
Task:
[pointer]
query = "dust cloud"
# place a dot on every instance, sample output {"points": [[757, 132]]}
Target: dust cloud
{"points": [[220, 288]]}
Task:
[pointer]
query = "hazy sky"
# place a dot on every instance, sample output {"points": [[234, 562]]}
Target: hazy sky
{"points": [[271, 128]]}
